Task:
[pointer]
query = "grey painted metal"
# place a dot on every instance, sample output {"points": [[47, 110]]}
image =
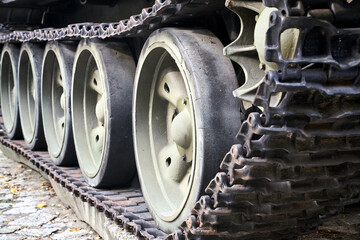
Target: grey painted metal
{"points": [[180, 125], [101, 96], [29, 71], [55, 101], [9, 92], [243, 51]]}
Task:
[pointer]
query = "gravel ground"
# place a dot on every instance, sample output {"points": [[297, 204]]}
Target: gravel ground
{"points": [[345, 226], [30, 209]]}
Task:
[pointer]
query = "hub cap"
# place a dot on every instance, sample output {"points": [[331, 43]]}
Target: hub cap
{"points": [[170, 132]]}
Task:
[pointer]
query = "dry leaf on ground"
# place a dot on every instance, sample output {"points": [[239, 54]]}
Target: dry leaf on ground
{"points": [[13, 190], [41, 205], [75, 229]]}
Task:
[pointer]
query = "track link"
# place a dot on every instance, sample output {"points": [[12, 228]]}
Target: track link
{"points": [[162, 13], [296, 164], [125, 206]]}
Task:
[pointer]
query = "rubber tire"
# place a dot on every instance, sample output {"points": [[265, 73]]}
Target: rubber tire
{"points": [[116, 65], [34, 53], [64, 53], [211, 79], [13, 52]]}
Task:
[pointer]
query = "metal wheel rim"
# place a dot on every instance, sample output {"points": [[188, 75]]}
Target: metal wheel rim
{"points": [[53, 94], [27, 89], [89, 113], [8, 93], [174, 176]]}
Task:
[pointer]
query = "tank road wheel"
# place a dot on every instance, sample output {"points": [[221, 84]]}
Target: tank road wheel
{"points": [[183, 119], [55, 101], [101, 112], [30, 63], [9, 93]]}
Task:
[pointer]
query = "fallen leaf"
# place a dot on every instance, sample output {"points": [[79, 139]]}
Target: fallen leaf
{"points": [[7, 221], [13, 190], [2, 176], [75, 229], [41, 205]]}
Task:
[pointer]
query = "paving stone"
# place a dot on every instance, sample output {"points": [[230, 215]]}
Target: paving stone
{"points": [[31, 194], [9, 237], [36, 219], [9, 229], [54, 225], [20, 219], [67, 234], [21, 202], [2, 218], [6, 198], [20, 210], [3, 191], [4, 206], [40, 233]]}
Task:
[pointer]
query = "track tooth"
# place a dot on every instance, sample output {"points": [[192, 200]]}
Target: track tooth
{"points": [[297, 164], [133, 228], [121, 220]]}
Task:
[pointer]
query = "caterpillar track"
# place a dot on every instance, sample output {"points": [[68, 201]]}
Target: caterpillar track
{"points": [[295, 164]]}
